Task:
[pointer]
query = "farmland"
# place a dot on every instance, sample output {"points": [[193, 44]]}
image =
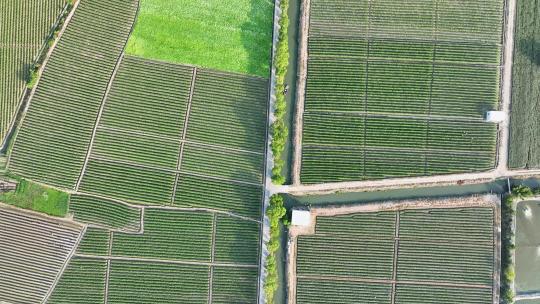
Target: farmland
{"points": [[400, 255], [192, 251], [183, 131], [53, 138], [25, 27], [33, 250], [525, 114], [398, 94], [231, 35]]}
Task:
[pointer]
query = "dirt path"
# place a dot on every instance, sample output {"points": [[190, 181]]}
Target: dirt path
{"points": [[506, 86], [164, 261]]}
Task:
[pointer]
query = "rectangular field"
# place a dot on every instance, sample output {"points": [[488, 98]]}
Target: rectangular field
{"points": [[399, 89], [25, 27], [228, 35], [525, 107], [407, 254]]}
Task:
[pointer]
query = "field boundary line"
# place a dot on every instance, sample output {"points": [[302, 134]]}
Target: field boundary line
{"points": [[163, 261], [108, 272], [212, 258], [374, 148], [145, 206], [395, 257], [184, 133], [396, 282], [40, 73], [401, 60], [98, 120], [430, 102], [394, 115], [301, 83], [364, 140], [60, 273], [506, 86]]}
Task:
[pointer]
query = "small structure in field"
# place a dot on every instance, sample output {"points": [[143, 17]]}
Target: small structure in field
{"points": [[301, 218], [495, 116]]}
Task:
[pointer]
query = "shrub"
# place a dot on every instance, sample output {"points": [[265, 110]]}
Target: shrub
{"points": [[275, 212]]}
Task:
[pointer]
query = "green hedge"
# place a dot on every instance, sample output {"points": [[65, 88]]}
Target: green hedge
{"points": [[275, 213], [279, 128]]}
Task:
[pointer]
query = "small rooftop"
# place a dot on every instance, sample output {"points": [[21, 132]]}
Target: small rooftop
{"points": [[301, 218]]}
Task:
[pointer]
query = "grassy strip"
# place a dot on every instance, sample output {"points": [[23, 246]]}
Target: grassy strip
{"points": [[508, 247], [33, 73], [279, 128], [38, 198], [275, 213]]}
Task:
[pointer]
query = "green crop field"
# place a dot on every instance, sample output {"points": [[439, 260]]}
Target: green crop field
{"points": [[105, 213], [53, 138], [440, 254], [25, 27], [142, 148], [231, 35], [400, 92], [525, 113]]}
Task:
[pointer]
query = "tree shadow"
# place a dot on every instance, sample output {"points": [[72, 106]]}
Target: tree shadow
{"points": [[530, 48], [255, 37]]}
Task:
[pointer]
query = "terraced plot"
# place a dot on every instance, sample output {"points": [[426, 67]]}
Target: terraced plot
{"points": [[54, 136], [25, 27], [406, 256], [525, 113], [400, 89], [169, 133]]}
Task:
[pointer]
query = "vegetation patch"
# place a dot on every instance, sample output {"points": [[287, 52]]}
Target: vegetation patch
{"points": [[32, 196], [276, 211], [231, 35], [525, 116]]}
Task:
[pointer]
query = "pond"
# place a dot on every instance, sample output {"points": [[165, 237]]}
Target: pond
{"points": [[528, 248]]}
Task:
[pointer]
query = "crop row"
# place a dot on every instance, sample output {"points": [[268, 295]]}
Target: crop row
{"points": [[319, 291], [105, 213], [83, 282], [174, 235], [463, 53], [234, 285], [53, 140], [325, 164], [94, 242], [25, 26], [147, 282], [349, 256], [236, 241], [398, 132], [241, 199], [229, 110], [525, 116], [400, 87], [474, 20], [410, 294], [380, 225], [459, 226]]}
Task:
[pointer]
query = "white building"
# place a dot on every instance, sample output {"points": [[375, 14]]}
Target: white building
{"points": [[495, 116], [301, 218]]}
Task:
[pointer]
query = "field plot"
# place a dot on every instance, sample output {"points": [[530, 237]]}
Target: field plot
{"points": [[180, 255], [105, 213], [54, 136], [174, 132], [33, 251], [399, 89], [230, 35], [25, 27], [525, 111], [405, 254]]}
